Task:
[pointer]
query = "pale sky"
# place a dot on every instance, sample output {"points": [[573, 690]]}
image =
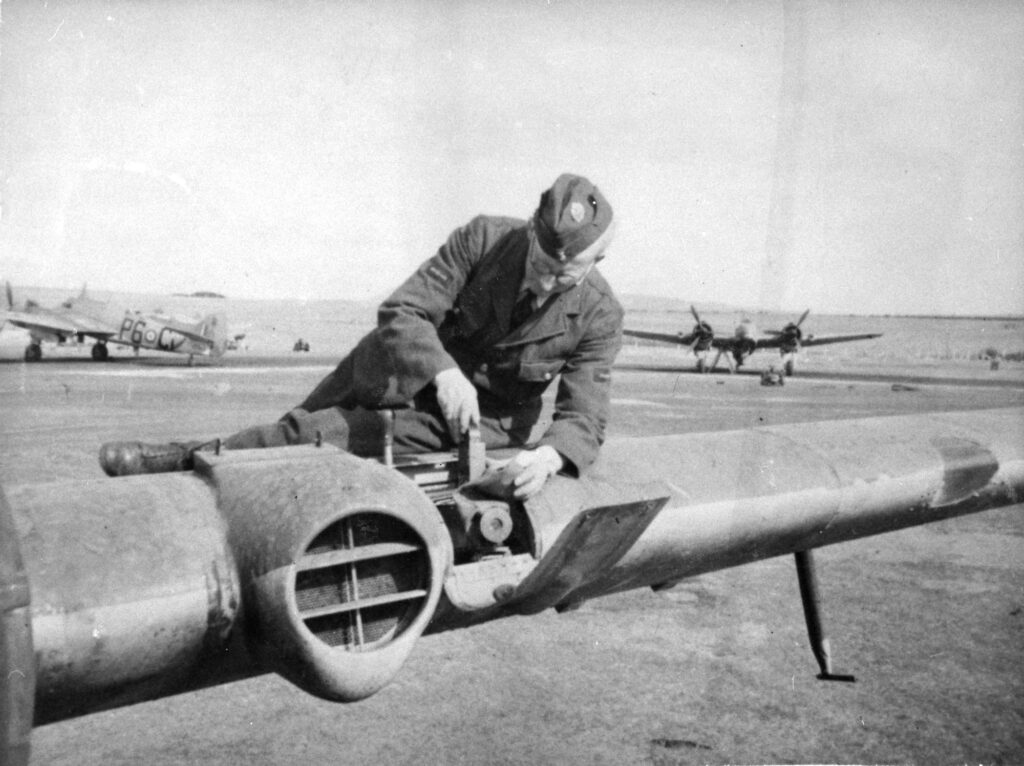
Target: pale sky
{"points": [[323, 149]]}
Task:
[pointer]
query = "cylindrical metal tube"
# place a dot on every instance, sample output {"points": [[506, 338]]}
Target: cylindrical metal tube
{"points": [[133, 588]]}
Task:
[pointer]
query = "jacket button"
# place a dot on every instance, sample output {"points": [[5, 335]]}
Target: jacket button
{"points": [[483, 367], [547, 376]]}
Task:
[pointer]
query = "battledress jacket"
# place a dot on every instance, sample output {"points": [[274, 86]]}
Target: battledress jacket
{"points": [[455, 311]]}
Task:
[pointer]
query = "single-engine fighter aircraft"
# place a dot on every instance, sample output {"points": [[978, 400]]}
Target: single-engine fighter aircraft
{"points": [[745, 341], [83, 317], [327, 568]]}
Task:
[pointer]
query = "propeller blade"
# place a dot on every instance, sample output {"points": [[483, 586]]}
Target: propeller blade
{"points": [[695, 314], [803, 316]]}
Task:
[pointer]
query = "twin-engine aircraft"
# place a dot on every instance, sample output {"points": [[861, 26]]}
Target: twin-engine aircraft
{"points": [[83, 317], [745, 341], [327, 568]]}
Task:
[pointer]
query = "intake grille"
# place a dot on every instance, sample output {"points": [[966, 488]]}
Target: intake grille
{"points": [[362, 581]]}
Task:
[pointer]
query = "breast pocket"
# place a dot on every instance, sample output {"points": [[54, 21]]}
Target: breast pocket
{"points": [[543, 371]]}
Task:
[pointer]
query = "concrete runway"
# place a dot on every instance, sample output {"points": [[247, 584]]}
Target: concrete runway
{"points": [[718, 670]]}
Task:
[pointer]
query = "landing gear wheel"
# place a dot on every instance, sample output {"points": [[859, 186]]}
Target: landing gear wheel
{"points": [[33, 352], [788, 368], [100, 353], [701, 367]]}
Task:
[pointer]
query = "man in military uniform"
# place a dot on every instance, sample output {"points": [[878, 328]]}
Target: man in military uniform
{"points": [[472, 338]]}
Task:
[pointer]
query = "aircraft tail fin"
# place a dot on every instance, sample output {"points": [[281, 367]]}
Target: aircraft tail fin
{"points": [[214, 327]]}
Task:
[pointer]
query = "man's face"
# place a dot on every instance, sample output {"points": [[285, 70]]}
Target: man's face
{"points": [[546, 275]]}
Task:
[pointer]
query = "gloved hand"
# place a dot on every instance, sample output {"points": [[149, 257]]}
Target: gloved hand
{"points": [[457, 398], [532, 468]]}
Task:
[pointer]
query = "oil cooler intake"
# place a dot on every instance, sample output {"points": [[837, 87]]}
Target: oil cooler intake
{"points": [[341, 561]]}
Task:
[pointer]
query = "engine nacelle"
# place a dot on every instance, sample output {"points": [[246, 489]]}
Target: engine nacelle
{"points": [[341, 562], [306, 561]]}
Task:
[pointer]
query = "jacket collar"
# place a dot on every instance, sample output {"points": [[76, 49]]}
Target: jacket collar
{"points": [[549, 321], [507, 278]]}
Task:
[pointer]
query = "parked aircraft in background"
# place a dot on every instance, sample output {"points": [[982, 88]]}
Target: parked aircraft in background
{"points": [[745, 341], [83, 317]]}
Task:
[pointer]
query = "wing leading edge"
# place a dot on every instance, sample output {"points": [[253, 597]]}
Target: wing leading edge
{"points": [[53, 324], [813, 340], [679, 338]]}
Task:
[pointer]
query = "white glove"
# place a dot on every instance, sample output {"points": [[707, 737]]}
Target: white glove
{"points": [[532, 468], [457, 398]]}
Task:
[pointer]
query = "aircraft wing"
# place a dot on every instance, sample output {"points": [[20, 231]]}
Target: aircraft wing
{"points": [[678, 338], [236, 574], [55, 323], [822, 340], [777, 339]]}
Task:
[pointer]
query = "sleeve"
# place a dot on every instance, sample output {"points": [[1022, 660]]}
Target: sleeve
{"points": [[583, 401], [408, 319]]}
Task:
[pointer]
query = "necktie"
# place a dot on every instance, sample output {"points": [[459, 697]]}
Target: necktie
{"points": [[522, 309]]}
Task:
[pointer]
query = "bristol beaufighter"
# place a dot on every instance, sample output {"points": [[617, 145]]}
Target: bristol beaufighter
{"points": [[745, 340], [327, 568]]}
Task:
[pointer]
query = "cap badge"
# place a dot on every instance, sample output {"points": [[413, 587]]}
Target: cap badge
{"points": [[576, 211]]}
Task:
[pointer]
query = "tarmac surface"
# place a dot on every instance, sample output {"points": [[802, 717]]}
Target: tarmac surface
{"points": [[717, 670]]}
